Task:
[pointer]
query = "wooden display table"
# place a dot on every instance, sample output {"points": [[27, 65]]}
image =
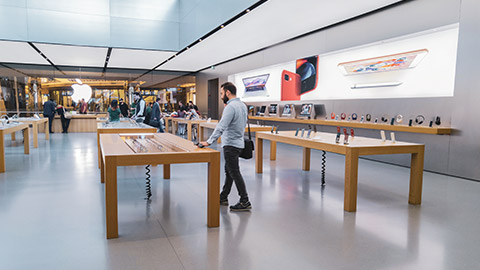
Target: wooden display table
{"points": [[121, 127], [359, 146], [189, 123], [167, 123], [78, 123], [153, 149], [36, 124], [8, 129], [357, 124]]}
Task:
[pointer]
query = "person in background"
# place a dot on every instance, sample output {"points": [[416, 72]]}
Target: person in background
{"points": [[148, 113], [139, 114], [156, 117], [114, 111], [49, 111], [65, 121], [232, 128], [123, 108], [192, 106], [83, 107], [182, 108]]}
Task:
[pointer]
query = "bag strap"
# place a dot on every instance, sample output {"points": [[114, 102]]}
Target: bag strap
{"points": [[248, 124]]}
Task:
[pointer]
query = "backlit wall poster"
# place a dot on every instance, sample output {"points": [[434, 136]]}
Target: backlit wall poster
{"points": [[304, 80], [383, 63], [421, 64]]}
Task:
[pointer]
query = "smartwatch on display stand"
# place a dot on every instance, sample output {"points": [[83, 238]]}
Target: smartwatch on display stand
{"points": [[332, 116], [437, 120], [399, 119], [343, 116], [382, 135], [362, 119], [392, 122]]}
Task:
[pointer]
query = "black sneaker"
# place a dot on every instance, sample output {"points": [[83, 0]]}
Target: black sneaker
{"points": [[241, 206], [224, 202]]}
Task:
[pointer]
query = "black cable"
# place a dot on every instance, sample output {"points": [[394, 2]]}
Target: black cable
{"points": [[148, 185], [324, 161]]}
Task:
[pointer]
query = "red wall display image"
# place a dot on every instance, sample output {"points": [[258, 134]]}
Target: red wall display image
{"points": [[290, 86]]}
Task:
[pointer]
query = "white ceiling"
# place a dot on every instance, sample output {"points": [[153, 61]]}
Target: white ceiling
{"points": [[19, 52], [62, 55], [272, 22], [142, 59]]}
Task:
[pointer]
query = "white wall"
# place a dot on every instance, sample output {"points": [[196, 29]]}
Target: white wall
{"points": [[433, 77]]}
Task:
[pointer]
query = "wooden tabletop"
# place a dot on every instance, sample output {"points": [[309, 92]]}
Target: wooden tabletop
{"points": [[357, 124], [326, 141], [193, 121], [123, 125], [12, 127], [31, 119], [114, 145], [253, 127]]}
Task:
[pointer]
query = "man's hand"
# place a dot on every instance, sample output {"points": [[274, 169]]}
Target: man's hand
{"points": [[205, 144]]}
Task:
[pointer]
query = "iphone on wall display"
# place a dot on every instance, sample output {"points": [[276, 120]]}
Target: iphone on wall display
{"points": [[306, 68], [290, 86]]}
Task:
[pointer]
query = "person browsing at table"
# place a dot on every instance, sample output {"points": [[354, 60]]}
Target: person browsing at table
{"points": [[114, 111], [49, 111], [232, 128]]}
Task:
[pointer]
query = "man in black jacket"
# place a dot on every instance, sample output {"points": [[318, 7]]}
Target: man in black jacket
{"points": [[49, 111], [155, 118], [123, 108]]}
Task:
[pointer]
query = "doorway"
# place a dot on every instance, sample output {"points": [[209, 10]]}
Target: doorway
{"points": [[213, 98]]}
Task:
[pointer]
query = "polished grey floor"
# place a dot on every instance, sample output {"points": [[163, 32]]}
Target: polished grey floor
{"points": [[52, 216]]}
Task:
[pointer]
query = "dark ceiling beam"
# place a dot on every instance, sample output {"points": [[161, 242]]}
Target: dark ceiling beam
{"points": [[45, 57], [107, 59]]}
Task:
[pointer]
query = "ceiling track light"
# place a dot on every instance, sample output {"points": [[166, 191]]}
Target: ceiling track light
{"points": [[222, 26]]}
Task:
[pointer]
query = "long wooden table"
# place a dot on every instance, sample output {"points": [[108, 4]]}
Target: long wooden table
{"points": [[357, 124], [35, 123], [189, 123], [116, 152], [213, 125], [121, 127], [78, 123], [9, 129], [358, 146]]}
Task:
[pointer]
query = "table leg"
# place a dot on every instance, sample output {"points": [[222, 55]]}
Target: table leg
{"points": [[213, 197], [13, 136], [306, 159], [189, 131], [102, 168], [258, 155], [2, 153], [111, 203], [98, 148], [26, 141], [416, 178], [351, 180], [200, 133], [166, 125], [166, 171], [35, 135], [273, 150], [47, 132]]}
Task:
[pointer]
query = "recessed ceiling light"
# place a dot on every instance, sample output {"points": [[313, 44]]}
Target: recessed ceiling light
{"points": [[248, 10], [222, 26]]}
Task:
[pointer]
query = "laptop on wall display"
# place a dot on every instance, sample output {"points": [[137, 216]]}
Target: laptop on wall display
{"points": [[256, 86]]}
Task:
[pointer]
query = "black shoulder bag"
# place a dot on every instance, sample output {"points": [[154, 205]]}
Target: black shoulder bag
{"points": [[247, 152]]}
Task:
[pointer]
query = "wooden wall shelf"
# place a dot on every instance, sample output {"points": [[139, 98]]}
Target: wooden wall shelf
{"points": [[355, 124]]}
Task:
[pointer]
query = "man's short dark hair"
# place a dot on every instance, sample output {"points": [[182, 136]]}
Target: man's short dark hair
{"points": [[157, 99], [230, 87]]}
